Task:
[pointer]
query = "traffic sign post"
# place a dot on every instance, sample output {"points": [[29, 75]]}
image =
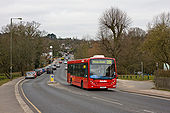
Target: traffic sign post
{"points": [[51, 78]]}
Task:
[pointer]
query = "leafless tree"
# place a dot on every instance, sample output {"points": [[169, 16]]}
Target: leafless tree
{"points": [[112, 23]]}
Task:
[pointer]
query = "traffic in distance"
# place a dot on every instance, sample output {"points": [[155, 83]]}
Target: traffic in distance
{"points": [[97, 72], [49, 69]]}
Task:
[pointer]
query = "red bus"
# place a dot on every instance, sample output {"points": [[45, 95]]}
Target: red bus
{"points": [[95, 72]]}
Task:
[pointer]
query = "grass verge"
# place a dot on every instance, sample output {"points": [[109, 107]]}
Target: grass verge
{"points": [[4, 79]]}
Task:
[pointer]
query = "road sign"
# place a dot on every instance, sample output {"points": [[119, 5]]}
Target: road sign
{"points": [[51, 78]]}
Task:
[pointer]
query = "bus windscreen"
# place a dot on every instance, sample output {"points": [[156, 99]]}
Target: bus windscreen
{"points": [[102, 69]]}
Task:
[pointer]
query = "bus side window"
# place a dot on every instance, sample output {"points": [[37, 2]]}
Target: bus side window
{"points": [[78, 70], [74, 69]]}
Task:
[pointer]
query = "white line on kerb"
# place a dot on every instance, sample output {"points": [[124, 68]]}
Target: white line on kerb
{"points": [[148, 111], [107, 100]]}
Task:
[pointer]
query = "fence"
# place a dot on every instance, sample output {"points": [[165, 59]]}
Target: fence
{"points": [[162, 82]]}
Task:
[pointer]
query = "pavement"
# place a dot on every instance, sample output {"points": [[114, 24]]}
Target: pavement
{"points": [[8, 101], [141, 87]]}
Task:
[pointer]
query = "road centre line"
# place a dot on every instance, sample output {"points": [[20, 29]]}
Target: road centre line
{"points": [[28, 99], [107, 101], [84, 94]]}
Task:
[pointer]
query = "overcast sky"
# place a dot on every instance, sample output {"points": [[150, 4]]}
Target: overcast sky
{"points": [[78, 18]]}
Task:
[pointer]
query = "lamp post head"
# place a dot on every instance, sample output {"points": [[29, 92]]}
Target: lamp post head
{"points": [[19, 18]]}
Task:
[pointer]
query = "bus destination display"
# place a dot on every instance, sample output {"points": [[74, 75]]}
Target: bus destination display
{"points": [[101, 61]]}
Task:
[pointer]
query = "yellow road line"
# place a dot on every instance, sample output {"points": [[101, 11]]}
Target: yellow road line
{"points": [[29, 100]]}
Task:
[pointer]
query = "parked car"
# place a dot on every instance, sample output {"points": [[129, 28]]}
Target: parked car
{"points": [[31, 74], [38, 72], [41, 71], [60, 62], [44, 70], [49, 70], [58, 65], [54, 67]]}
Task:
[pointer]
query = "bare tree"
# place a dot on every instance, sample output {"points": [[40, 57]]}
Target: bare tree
{"points": [[113, 23]]}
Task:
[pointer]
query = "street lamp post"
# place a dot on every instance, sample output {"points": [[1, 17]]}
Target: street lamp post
{"points": [[11, 44]]}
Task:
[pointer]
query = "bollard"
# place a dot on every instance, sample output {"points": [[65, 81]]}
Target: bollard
{"points": [[51, 78], [148, 77], [130, 77], [136, 76]]}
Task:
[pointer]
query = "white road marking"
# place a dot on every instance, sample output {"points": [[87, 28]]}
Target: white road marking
{"points": [[107, 101], [148, 111]]}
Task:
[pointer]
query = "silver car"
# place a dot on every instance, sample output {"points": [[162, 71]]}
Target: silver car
{"points": [[31, 74]]}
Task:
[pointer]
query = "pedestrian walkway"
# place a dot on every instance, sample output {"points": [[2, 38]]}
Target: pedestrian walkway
{"points": [[8, 101], [141, 87]]}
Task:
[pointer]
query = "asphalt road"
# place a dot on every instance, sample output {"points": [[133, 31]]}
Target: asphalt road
{"points": [[64, 98]]}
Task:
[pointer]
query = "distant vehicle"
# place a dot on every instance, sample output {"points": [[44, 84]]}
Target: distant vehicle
{"points": [[66, 68], [66, 58], [60, 62], [31, 74], [49, 70], [65, 62], [58, 65], [96, 72], [62, 58], [44, 70]]}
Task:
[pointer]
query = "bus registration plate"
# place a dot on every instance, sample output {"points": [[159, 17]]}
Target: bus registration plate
{"points": [[102, 87]]}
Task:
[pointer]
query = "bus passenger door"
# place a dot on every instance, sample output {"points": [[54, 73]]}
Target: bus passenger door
{"points": [[85, 74]]}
